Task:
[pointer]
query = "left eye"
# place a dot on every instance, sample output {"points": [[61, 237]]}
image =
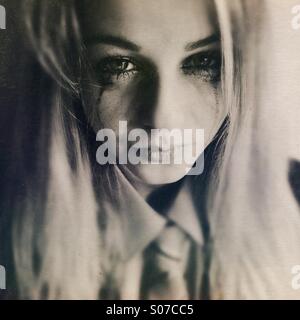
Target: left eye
{"points": [[206, 65], [117, 65], [112, 68]]}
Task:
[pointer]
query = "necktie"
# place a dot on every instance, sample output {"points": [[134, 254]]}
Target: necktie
{"points": [[165, 265]]}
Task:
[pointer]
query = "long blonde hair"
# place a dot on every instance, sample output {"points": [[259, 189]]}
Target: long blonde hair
{"points": [[255, 219]]}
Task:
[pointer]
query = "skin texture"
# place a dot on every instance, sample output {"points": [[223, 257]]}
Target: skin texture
{"points": [[168, 79]]}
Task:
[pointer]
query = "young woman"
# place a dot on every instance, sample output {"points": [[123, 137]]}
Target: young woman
{"points": [[79, 229]]}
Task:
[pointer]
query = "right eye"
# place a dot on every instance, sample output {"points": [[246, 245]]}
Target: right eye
{"points": [[112, 69], [205, 65]]}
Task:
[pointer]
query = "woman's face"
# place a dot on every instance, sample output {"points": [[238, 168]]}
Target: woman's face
{"points": [[158, 64]]}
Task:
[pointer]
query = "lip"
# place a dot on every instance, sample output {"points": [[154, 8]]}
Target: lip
{"points": [[157, 154], [156, 148]]}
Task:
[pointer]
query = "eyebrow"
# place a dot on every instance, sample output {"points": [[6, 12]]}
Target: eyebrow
{"points": [[124, 43], [112, 40], [202, 42]]}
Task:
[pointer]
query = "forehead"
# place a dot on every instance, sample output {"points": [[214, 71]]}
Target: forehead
{"points": [[150, 23]]}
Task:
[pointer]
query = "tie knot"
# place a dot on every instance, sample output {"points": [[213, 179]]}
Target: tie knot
{"points": [[172, 242], [166, 259]]}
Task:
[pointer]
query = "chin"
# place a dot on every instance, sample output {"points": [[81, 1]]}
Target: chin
{"points": [[158, 174]]}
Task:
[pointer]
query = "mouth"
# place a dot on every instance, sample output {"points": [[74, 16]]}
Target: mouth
{"points": [[154, 149], [157, 154]]}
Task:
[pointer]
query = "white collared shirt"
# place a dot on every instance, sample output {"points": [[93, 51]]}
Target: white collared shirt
{"points": [[141, 224]]}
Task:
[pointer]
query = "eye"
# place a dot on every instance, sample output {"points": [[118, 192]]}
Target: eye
{"points": [[112, 69], [205, 65]]}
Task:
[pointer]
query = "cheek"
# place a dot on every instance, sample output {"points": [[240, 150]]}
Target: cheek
{"points": [[111, 109], [107, 107], [207, 113]]}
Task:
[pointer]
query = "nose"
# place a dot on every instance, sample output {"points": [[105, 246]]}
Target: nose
{"points": [[163, 101], [170, 106]]}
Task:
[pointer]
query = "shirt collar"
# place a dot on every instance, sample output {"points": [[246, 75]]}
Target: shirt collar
{"points": [[141, 224], [184, 214]]}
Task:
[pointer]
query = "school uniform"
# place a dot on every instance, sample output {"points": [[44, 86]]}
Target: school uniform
{"points": [[163, 244]]}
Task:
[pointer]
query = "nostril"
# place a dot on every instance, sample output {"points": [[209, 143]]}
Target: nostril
{"points": [[147, 127], [142, 125]]}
